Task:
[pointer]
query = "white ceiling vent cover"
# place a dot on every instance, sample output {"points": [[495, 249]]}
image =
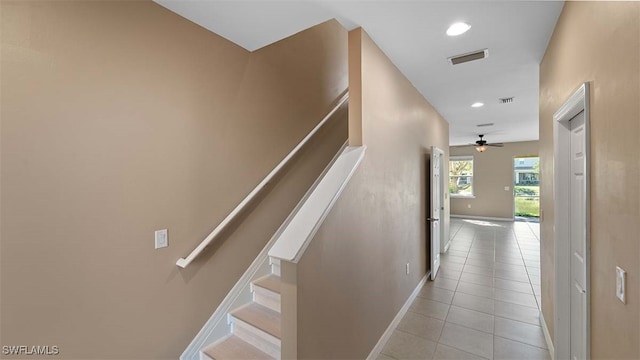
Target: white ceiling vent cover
{"points": [[472, 56]]}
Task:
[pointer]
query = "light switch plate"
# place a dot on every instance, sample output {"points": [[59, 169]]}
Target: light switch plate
{"points": [[161, 238], [506, 188], [621, 279]]}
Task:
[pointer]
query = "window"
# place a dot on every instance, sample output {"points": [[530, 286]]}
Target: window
{"points": [[461, 176]]}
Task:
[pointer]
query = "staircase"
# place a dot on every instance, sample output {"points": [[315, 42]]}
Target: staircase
{"points": [[255, 327], [248, 322]]}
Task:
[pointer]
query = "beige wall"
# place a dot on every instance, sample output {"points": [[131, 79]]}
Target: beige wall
{"points": [[120, 118], [351, 279], [599, 42], [492, 171]]}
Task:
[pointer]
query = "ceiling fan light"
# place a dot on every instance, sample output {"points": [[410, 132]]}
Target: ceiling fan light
{"points": [[481, 148]]}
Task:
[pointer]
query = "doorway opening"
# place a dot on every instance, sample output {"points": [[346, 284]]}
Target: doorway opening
{"points": [[526, 188]]}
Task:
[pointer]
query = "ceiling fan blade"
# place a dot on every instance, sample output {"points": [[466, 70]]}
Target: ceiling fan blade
{"points": [[496, 145]]}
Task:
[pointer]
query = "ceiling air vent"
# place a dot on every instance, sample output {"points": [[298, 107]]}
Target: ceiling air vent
{"points": [[485, 125], [506, 100], [476, 55]]}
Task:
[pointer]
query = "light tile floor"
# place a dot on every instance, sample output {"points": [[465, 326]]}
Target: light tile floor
{"points": [[484, 303]]}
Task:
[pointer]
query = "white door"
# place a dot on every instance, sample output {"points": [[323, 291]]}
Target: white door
{"points": [[437, 156], [577, 236]]}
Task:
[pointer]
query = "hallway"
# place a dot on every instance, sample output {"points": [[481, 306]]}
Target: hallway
{"points": [[484, 303]]}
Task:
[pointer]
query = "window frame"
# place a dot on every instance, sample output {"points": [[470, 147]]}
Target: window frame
{"points": [[463, 158]]}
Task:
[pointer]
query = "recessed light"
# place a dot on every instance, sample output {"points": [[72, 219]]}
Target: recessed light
{"points": [[458, 28], [477, 104]]}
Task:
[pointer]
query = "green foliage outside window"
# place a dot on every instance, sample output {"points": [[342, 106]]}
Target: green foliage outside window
{"points": [[461, 176]]}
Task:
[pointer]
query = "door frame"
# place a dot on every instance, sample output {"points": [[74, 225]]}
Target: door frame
{"points": [[577, 102], [513, 187], [436, 153]]}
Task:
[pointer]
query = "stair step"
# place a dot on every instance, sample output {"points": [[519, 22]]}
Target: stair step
{"points": [[270, 282], [260, 317], [258, 326], [266, 292], [235, 348]]}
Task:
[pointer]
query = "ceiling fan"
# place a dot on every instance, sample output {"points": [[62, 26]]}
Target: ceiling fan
{"points": [[481, 145]]}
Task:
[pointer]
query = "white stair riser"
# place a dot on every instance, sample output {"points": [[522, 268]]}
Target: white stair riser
{"points": [[266, 298], [256, 337], [275, 266]]}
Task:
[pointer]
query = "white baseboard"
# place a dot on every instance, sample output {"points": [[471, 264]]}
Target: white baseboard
{"points": [[482, 218], [547, 337], [394, 323]]}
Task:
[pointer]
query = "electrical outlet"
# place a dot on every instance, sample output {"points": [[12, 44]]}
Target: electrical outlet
{"points": [[621, 279], [407, 268], [161, 238], [506, 188], [468, 206]]}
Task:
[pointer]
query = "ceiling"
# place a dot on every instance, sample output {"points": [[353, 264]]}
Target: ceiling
{"points": [[412, 34]]}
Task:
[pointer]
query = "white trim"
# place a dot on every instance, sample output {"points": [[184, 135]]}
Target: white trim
{"points": [[296, 236], [577, 102], [488, 218], [375, 352], [547, 336], [216, 327], [456, 196], [462, 158], [184, 262], [437, 155]]}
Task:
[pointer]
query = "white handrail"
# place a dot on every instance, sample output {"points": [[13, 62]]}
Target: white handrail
{"points": [[184, 262]]}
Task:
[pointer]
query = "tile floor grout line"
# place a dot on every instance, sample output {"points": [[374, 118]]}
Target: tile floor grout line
{"points": [[518, 341], [527, 270], [464, 351], [474, 248], [520, 321], [455, 347], [421, 314]]}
